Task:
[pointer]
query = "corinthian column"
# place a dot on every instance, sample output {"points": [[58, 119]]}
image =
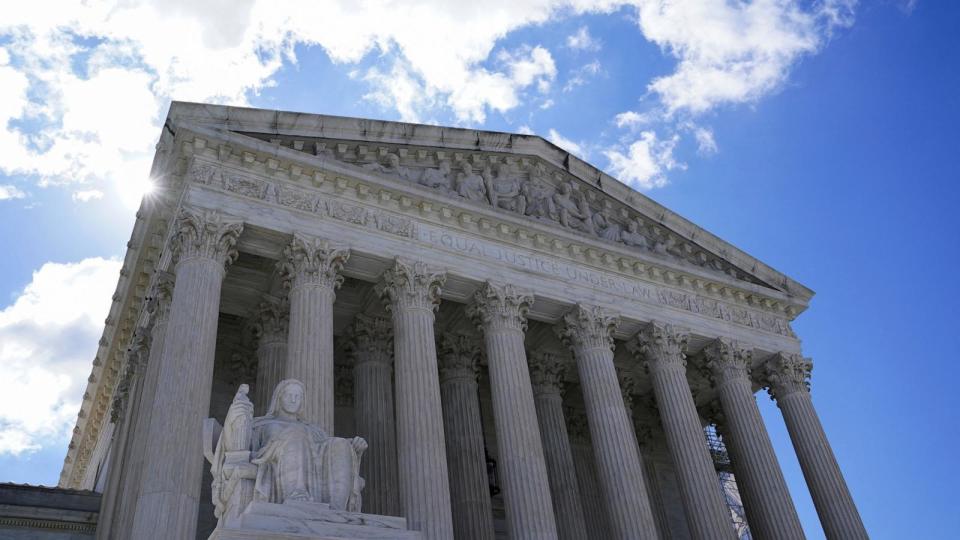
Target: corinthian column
{"points": [[584, 463], [411, 292], [788, 378], [271, 320], [588, 331], [501, 312], [159, 308], [169, 497], [770, 511], [369, 345], [311, 269], [707, 515], [466, 459], [546, 374]]}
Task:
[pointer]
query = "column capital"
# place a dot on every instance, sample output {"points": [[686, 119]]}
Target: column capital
{"points": [[588, 327], [271, 319], [342, 385], [369, 339], [727, 360], [411, 285], [786, 373], [208, 234], [498, 307], [646, 425], [577, 424], [629, 381], [308, 260], [546, 372], [661, 345], [458, 356], [159, 298], [136, 357]]}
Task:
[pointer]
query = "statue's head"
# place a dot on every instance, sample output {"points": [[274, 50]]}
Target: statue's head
{"points": [[287, 398]]}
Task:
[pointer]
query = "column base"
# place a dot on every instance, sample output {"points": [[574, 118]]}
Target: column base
{"points": [[312, 521]]}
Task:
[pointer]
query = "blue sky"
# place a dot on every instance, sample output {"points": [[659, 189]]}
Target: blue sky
{"points": [[819, 137]]}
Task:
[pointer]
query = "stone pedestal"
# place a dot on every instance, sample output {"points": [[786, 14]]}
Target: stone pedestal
{"points": [[312, 521], [169, 496], [588, 333], [462, 425], [770, 510], [788, 376], [311, 269], [271, 321], [369, 345], [500, 311], [546, 374], [707, 514], [411, 292]]}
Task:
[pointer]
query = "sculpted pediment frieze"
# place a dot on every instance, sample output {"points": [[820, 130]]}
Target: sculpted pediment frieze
{"points": [[522, 185]]}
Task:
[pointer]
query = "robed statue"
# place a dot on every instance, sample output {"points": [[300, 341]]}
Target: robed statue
{"points": [[279, 457]]}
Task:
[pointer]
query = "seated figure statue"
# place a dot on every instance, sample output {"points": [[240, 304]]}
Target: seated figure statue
{"points": [[279, 457]]}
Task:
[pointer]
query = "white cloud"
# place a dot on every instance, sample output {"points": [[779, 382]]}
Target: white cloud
{"points": [[87, 195], [706, 144], [525, 130], [582, 40], [8, 191], [565, 143], [646, 162], [85, 83], [632, 119], [733, 52], [581, 75], [48, 337]]}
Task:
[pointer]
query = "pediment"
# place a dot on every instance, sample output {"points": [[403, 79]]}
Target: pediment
{"points": [[523, 175]]}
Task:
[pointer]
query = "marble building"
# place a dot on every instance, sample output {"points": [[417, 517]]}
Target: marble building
{"points": [[528, 347]]}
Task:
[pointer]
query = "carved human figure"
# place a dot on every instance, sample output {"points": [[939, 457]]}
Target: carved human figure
{"points": [[294, 460], [573, 208], [504, 190], [633, 235], [539, 197], [437, 178], [470, 185], [605, 226], [389, 165]]}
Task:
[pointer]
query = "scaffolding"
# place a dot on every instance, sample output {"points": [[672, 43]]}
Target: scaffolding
{"points": [[728, 483]]}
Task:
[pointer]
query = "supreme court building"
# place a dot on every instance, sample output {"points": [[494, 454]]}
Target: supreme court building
{"points": [[530, 348]]}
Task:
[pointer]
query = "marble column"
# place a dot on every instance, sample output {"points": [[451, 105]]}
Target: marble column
{"points": [[204, 243], [500, 311], [788, 378], [344, 424], [584, 464], [462, 425], [159, 308], [123, 415], [707, 513], [645, 427], [770, 510], [369, 345], [411, 292], [311, 269], [628, 388], [588, 331], [546, 374], [271, 320]]}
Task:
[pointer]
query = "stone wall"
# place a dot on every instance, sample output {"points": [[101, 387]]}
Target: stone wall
{"points": [[44, 513]]}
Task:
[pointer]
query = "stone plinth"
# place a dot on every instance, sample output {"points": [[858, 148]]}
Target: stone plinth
{"points": [[312, 521]]}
